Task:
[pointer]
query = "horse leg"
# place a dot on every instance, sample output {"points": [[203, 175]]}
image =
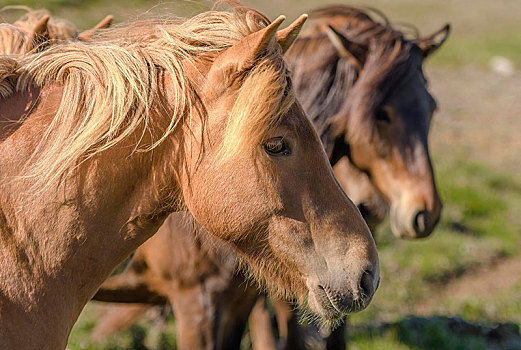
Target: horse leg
{"points": [[261, 330], [192, 320], [235, 304], [291, 333], [337, 339], [116, 318]]}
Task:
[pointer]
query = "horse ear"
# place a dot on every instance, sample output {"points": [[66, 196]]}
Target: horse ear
{"points": [[287, 36], [244, 53], [346, 48], [104, 23], [40, 33], [431, 43]]}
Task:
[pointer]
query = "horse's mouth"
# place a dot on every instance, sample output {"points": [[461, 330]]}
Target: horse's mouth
{"points": [[328, 304], [331, 305], [337, 305], [322, 306]]}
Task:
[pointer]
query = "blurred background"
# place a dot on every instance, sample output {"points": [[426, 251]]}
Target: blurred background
{"points": [[461, 287]]}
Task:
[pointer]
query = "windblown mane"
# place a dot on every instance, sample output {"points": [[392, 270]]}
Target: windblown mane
{"points": [[337, 84], [110, 85], [12, 40]]}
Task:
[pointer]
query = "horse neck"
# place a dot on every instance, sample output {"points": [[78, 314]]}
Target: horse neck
{"points": [[11, 115], [58, 245]]}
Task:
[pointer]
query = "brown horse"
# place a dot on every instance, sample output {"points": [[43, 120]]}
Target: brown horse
{"points": [[157, 117], [37, 29], [361, 60], [371, 106]]}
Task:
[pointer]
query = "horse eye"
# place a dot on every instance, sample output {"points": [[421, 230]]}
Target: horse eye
{"points": [[382, 116], [276, 147]]}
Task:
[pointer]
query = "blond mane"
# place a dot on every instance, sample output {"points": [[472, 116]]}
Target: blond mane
{"points": [[58, 28], [13, 40], [111, 83]]}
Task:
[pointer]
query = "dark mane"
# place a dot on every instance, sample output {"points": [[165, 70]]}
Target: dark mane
{"points": [[322, 78]]}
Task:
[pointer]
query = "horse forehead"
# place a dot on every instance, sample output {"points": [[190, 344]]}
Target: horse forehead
{"points": [[413, 93], [296, 120], [411, 83]]}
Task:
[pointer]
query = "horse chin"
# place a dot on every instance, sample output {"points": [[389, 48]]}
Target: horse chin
{"points": [[324, 311], [401, 231], [321, 311]]}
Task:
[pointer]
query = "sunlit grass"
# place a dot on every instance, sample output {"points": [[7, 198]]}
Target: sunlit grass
{"points": [[432, 333], [147, 333]]}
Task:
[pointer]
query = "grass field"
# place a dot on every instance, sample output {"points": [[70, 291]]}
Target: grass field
{"points": [[452, 290]]}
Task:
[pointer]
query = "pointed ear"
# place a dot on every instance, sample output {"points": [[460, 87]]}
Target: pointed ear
{"points": [[287, 36], [244, 53], [347, 49], [40, 34], [431, 43], [104, 23]]}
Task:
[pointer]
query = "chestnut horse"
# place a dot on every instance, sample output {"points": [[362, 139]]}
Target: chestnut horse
{"points": [[356, 108], [155, 117], [37, 29]]}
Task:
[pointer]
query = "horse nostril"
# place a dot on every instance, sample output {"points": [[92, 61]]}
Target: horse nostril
{"points": [[367, 284], [421, 223]]}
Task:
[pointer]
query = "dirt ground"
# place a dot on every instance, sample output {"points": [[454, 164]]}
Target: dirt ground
{"points": [[484, 282], [478, 118]]}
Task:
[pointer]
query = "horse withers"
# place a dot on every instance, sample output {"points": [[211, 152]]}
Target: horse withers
{"points": [[157, 117]]}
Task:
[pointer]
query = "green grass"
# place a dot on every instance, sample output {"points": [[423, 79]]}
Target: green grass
{"points": [[503, 307], [147, 333], [435, 333], [478, 50], [368, 341], [483, 201]]}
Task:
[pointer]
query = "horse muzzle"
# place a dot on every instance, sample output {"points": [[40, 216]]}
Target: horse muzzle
{"points": [[332, 300], [415, 223]]}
